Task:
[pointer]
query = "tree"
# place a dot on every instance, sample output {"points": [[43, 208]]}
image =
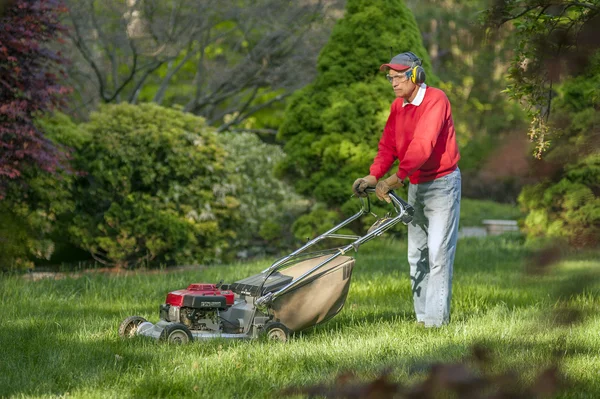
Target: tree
{"points": [[29, 86], [332, 127], [556, 39], [214, 58], [557, 70], [566, 202]]}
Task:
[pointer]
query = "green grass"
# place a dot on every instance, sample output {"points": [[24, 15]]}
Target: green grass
{"points": [[473, 212], [59, 337]]}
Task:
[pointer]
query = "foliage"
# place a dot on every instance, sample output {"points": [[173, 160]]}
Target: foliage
{"points": [[556, 39], [32, 217], [13, 239], [557, 68], [332, 127], [29, 81], [567, 203], [569, 208], [315, 223], [215, 58], [268, 206], [34, 211], [154, 188]]}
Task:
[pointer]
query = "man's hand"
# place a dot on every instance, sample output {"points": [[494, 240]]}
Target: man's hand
{"points": [[384, 186], [360, 185]]}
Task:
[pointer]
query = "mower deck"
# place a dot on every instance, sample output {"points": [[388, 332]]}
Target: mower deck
{"points": [[148, 329]]}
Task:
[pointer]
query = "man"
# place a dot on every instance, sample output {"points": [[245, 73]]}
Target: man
{"points": [[420, 133]]}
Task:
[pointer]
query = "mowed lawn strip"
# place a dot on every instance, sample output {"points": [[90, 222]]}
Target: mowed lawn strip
{"points": [[59, 337]]}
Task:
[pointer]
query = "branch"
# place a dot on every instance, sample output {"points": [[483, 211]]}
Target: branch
{"points": [[257, 131], [258, 107], [195, 102], [84, 51], [254, 110], [587, 5], [129, 78], [105, 47], [511, 17], [237, 119], [136, 90], [158, 97]]}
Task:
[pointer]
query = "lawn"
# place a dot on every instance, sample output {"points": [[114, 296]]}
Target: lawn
{"points": [[59, 337]]}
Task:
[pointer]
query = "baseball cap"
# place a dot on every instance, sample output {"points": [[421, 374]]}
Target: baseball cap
{"points": [[402, 61]]}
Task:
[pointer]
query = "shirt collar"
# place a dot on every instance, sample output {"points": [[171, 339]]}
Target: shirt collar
{"points": [[418, 98]]}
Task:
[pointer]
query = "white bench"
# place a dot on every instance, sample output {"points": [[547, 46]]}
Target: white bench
{"points": [[495, 227]]}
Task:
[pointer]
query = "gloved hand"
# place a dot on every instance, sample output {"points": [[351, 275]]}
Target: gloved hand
{"points": [[384, 186], [360, 185]]}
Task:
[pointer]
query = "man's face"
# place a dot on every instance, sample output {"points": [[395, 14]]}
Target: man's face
{"points": [[403, 87]]}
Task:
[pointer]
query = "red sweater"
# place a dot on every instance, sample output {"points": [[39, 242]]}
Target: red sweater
{"points": [[422, 137]]}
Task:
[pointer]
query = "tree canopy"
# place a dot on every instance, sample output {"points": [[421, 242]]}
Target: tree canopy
{"points": [[556, 39], [219, 59], [29, 85], [332, 126]]}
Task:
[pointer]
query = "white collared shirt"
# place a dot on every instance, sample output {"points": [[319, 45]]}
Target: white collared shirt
{"points": [[418, 98]]}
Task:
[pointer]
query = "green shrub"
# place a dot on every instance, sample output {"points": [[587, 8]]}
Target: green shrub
{"points": [[332, 127], [268, 206], [567, 203], [568, 209], [154, 189], [14, 240], [32, 214]]}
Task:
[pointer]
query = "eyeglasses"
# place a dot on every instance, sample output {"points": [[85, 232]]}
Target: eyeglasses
{"points": [[403, 77]]}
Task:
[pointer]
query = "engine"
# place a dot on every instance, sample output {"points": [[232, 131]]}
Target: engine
{"points": [[197, 307]]}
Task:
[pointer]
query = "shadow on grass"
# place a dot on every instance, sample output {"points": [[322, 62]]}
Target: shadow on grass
{"points": [[43, 358]]}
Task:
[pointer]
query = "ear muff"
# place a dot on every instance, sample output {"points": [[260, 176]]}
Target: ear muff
{"points": [[417, 75]]}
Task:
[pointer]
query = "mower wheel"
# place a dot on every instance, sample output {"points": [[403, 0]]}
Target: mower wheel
{"points": [[129, 326], [277, 331], [176, 333]]}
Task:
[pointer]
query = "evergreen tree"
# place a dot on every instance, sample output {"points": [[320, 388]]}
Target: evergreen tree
{"points": [[332, 127]]}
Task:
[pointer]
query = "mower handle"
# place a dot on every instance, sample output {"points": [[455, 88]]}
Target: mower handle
{"points": [[405, 213], [401, 207], [395, 199]]}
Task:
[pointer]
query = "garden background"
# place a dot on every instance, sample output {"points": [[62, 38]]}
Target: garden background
{"points": [[140, 136]]}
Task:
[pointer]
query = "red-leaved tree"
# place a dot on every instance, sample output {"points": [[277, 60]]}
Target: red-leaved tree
{"points": [[29, 85]]}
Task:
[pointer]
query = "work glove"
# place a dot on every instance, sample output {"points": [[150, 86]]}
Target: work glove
{"points": [[384, 186], [360, 185]]}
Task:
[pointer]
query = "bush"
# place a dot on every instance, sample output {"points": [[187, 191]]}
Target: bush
{"points": [[268, 206], [154, 189], [33, 211], [149, 186], [568, 209], [332, 127], [566, 204]]}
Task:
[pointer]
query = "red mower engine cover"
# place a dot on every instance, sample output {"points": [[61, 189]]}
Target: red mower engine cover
{"points": [[197, 294]]}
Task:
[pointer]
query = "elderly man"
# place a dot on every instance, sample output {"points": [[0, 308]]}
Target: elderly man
{"points": [[420, 133]]}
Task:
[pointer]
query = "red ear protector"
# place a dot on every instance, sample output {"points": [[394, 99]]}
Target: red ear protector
{"points": [[416, 73]]}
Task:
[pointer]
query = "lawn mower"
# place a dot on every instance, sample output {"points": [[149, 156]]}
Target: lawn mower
{"points": [[296, 292]]}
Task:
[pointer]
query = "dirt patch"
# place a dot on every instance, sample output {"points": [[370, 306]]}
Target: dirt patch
{"points": [[116, 272]]}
